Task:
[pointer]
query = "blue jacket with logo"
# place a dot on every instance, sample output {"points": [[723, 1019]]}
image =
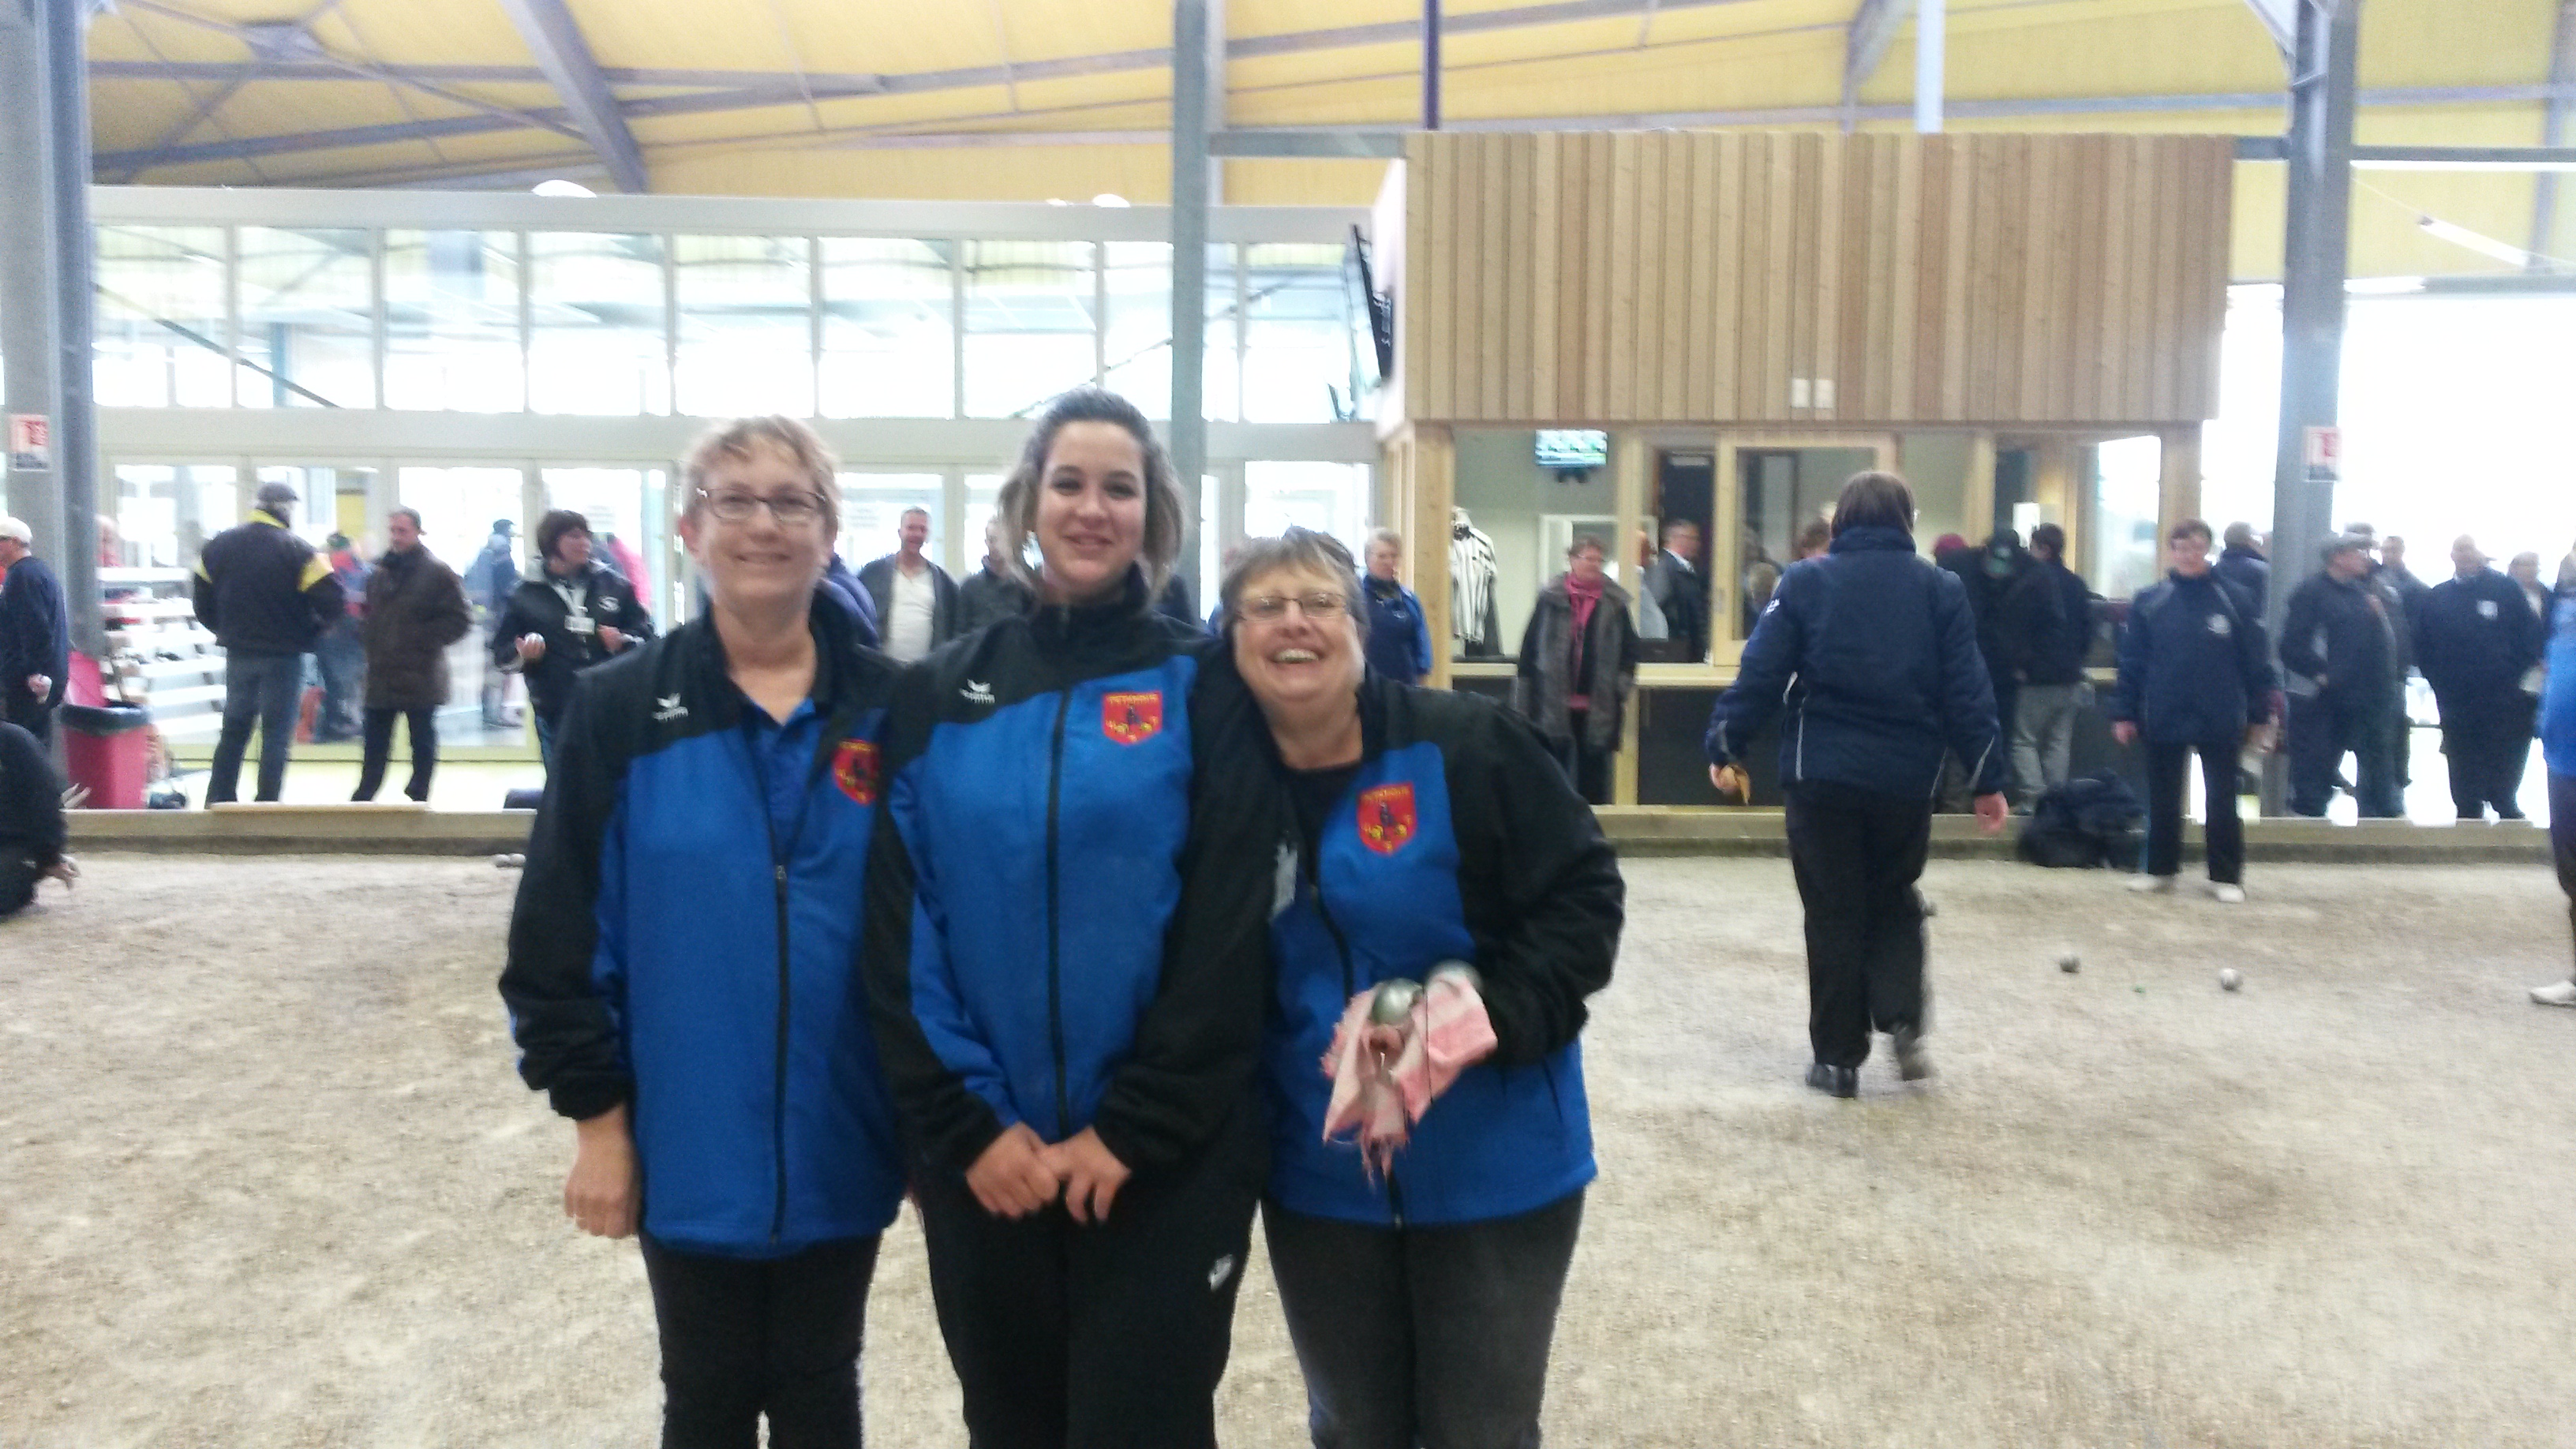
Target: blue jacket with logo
{"points": [[2558, 694], [1399, 638], [1066, 920], [1458, 839], [2195, 668], [1872, 651], [677, 947]]}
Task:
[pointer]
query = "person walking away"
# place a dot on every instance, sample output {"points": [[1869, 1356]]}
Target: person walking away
{"points": [[1578, 666], [2476, 639], [341, 653], [415, 609], [1428, 832], [916, 601], [32, 833], [2338, 649], [2195, 679], [2048, 630], [1871, 654], [35, 634], [2558, 751], [994, 591], [267, 596], [1679, 590], [679, 978], [1399, 636], [2243, 564], [571, 614]]}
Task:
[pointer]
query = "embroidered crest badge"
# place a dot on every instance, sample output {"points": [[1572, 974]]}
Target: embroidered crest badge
{"points": [[1132, 719], [1386, 818], [854, 769]]}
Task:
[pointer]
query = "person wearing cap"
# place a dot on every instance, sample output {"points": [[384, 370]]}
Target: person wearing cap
{"points": [[35, 635], [267, 595], [2339, 653]]}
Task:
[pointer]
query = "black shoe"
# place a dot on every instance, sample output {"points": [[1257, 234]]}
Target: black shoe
{"points": [[1834, 1081], [2502, 814], [1913, 1063]]}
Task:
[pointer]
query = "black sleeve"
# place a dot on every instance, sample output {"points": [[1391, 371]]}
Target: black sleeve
{"points": [[560, 1008], [506, 629], [1525, 700], [201, 596], [455, 619], [1200, 1040], [31, 797], [1552, 895], [2299, 635], [1967, 702]]}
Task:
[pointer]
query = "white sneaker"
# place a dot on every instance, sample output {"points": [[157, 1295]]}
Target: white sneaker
{"points": [[2158, 885], [2225, 894], [2556, 993]]}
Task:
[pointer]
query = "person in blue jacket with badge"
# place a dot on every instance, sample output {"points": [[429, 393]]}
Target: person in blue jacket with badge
{"points": [[679, 977], [1430, 831], [1065, 962], [1399, 635]]}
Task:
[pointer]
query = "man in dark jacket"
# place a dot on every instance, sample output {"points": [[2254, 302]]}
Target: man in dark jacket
{"points": [[35, 635], [1398, 640], [2399, 591], [1679, 590], [1578, 666], [2195, 679], [415, 609], [267, 596], [2475, 638], [915, 600], [571, 614], [2243, 564], [993, 591], [1989, 574], [31, 821], [2339, 649], [2048, 629]]}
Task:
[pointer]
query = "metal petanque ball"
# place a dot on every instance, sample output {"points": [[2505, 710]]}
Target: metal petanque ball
{"points": [[2070, 963], [1393, 1003], [2229, 978]]}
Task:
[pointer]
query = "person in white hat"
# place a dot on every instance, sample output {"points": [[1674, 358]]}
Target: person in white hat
{"points": [[35, 634]]}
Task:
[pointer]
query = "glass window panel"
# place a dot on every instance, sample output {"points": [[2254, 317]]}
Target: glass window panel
{"points": [[307, 318], [746, 325], [458, 507], [2128, 489], [1138, 335], [452, 322], [160, 328], [598, 343], [164, 514], [872, 509], [1030, 332], [1327, 497], [1299, 363], [889, 343]]}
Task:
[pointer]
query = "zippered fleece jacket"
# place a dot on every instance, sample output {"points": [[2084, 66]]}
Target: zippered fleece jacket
{"points": [[675, 945], [1066, 921]]}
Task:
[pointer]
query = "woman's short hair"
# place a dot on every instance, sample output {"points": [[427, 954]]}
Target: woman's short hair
{"points": [[552, 528], [1583, 541], [734, 442], [1875, 500], [1017, 512], [1389, 537], [1303, 550]]}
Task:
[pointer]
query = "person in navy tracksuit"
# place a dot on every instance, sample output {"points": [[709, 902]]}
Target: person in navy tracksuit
{"points": [[1872, 652], [2475, 638], [1065, 961], [2196, 678], [1399, 635], [1427, 827], [679, 976]]}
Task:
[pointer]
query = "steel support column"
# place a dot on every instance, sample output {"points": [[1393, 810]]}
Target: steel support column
{"points": [[2544, 187], [1431, 65], [2322, 90], [1198, 43]]}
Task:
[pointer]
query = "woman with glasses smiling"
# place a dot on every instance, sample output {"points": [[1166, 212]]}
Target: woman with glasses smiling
{"points": [[1430, 830], [679, 973]]}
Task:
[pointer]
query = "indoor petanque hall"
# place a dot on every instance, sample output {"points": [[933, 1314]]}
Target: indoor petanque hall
{"points": [[1367, 724]]}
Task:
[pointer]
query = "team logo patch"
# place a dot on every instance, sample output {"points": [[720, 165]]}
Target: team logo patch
{"points": [[1132, 719], [1386, 818], [854, 769], [2486, 608], [2219, 626]]}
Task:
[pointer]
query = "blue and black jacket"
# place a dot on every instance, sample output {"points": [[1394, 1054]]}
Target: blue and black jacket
{"points": [[1399, 637], [1872, 651], [2195, 667], [684, 937], [2558, 693], [1457, 838], [1066, 921]]}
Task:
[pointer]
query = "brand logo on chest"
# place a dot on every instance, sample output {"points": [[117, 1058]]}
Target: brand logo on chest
{"points": [[854, 769], [1386, 818], [1132, 719]]}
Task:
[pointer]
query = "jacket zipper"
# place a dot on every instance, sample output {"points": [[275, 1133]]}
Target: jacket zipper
{"points": [[1350, 988], [1055, 945], [778, 1102]]}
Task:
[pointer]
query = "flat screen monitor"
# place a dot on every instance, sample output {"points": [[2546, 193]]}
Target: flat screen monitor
{"points": [[1570, 448]]}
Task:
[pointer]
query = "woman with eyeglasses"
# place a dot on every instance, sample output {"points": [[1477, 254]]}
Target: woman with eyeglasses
{"points": [[1065, 960], [1429, 830], [679, 974]]}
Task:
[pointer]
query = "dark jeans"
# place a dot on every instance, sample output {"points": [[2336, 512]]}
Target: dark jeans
{"points": [[1435, 1336], [2326, 727], [379, 749], [263, 689], [17, 886], [2486, 750], [1066, 1336], [747, 1337], [1587, 768], [342, 659], [2562, 843], [1857, 854], [545, 741], [2168, 776]]}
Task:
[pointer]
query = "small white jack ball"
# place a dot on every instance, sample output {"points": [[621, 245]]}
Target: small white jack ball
{"points": [[507, 861], [2229, 978], [2070, 963]]}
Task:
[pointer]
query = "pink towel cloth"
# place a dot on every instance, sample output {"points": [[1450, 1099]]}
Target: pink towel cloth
{"points": [[1385, 1077]]}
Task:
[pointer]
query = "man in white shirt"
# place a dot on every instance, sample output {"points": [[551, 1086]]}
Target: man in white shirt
{"points": [[916, 600]]}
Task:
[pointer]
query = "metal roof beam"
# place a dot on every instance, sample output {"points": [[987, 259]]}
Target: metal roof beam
{"points": [[555, 39], [1865, 41], [2553, 132], [2281, 17]]}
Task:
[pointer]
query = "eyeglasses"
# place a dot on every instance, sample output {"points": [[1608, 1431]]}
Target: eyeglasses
{"points": [[792, 510], [1317, 606]]}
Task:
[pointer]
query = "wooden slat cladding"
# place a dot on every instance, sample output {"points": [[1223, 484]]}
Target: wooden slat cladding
{"points": [[1658, 277]]}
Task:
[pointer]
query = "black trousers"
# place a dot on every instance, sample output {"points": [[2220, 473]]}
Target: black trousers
{"points": [[2562, 843], [2168, 772], [1857, 854], [1067, 1336], [26, 711], [747, 1337], [2326, 727], [2486, 755], [17, 886], [379, 749], [1587, 768]]}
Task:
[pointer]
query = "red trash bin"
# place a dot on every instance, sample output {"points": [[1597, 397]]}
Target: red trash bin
{"points": [[107, 748]]}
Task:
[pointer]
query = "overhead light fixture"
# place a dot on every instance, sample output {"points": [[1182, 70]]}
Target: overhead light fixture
{"points": [[2479, 242], [561, 187], [1109, 198]]}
